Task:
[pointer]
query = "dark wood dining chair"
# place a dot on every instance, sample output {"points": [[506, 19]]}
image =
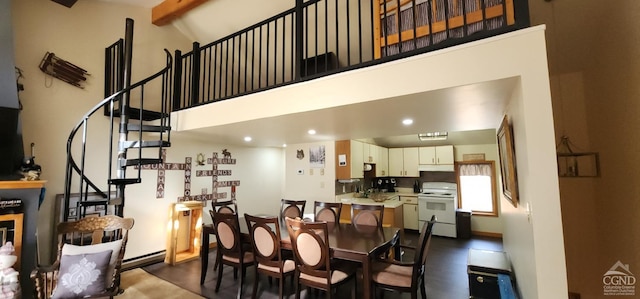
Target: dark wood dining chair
{"points": [[230, 246], [370, 215], [265, 240], [327, 211], [292, 208], [315, 267], [225, 207], [400, 276]]}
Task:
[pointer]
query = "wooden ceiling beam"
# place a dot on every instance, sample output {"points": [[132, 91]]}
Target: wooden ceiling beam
{"points": [[169, 10]]}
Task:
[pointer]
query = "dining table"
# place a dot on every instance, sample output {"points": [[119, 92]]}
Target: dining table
{"points": [[349, 242]]}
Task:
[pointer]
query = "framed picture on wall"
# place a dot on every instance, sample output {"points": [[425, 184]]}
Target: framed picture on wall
{"points": [[507, 162]]}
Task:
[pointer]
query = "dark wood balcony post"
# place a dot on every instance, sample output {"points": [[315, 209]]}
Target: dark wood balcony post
{"points": [[195, 74], [177, 80], [299, 38]]}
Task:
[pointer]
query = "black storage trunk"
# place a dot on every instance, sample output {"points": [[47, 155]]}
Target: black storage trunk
{"points": [[483, 267]]}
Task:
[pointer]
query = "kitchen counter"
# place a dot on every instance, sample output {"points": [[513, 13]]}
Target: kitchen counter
{"points": [[393, 212], [392, 202]]}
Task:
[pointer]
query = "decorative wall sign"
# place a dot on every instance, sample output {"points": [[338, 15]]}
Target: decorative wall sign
{"points": [[214, 173], [170, 166], [300, 154]]}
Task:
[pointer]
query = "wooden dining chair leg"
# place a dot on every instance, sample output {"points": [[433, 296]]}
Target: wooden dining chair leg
{"points": [[242, 276], [423, 291], [281, 287], [219, 278], [297, 285], [256, 281]]}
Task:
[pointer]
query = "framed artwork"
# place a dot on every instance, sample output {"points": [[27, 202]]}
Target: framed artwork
{"points": [[508, 162], [317, 156]]}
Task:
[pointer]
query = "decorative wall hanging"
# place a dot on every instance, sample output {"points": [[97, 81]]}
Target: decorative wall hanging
{"points": [[186, 166], [576, 164], [214, 173], [317, 156], [508, 162], [300, 154], [200, 159], [63, 70]]}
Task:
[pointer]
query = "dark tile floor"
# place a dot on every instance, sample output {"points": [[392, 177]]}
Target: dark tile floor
{"points": [[446, 276]]}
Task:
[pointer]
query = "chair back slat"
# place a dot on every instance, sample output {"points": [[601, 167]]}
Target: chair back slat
{"points": [[370, 215], [292, 208], [327, 211], [424, 241]]}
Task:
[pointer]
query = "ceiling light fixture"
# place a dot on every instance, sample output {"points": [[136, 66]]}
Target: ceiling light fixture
{"points": [[312, 132], [407, 121], [247, 139], [433, 136]]}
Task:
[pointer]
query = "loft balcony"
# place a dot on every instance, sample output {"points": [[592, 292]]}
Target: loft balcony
{"points": [[317, 38]]}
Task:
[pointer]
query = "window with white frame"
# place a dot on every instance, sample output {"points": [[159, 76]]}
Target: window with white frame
{"points": [[477, 187]]}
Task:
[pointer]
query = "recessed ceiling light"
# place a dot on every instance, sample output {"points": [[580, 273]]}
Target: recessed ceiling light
{"points": [[247, 139], [284, 145], [312, 132], [407, 121]]}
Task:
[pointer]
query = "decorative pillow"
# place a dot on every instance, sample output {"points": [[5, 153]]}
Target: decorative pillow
{"points": [[114, 246], [82, 275]]}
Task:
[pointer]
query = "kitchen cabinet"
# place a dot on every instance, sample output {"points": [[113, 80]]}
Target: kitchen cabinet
{"points": [[403, 162], [352, 165], [382, 167], [370, 153], [410, 211], [436, 155]]}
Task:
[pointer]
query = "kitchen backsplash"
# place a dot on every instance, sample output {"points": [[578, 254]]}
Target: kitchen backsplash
{"points": [[401, 182]]}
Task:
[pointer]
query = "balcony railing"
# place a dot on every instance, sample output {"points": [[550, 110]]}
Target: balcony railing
{"points": [[321, 37]]}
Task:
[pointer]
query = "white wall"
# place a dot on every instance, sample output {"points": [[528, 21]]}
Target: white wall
{"points": [[536, 246], [316, 183], [258, 170], [485, 224]]}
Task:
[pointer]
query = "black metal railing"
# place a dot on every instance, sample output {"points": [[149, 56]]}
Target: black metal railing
{"points": [[321, 37]]}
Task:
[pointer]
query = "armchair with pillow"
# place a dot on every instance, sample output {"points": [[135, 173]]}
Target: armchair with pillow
{"points": [[89, 260]]}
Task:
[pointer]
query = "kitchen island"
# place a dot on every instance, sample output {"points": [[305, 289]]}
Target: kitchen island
{"points": [[393, 212]]}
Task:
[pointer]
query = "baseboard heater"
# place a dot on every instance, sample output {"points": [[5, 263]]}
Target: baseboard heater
{"points": [[144, 260]]}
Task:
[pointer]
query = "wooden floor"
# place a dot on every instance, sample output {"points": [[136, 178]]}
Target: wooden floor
{"points": [[446, 276]]}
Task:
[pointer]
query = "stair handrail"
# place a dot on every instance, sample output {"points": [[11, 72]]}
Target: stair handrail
{"points": [[71, 163]]}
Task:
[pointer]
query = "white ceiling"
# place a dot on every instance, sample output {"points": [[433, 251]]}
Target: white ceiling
{"points": [[470, 115]]}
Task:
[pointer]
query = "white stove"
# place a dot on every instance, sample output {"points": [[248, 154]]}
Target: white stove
{"points": [[440, 199]]}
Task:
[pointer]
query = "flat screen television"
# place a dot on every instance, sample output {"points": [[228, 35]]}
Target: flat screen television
{"points": [[11, 151]]}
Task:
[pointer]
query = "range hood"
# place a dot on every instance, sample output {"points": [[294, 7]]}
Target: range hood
{"points": [[441, 167]]}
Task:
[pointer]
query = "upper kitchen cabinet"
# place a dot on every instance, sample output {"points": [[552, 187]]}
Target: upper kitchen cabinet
{"points": [[436, 158], [382, 167], [403, 162], [370, 153], [436, 155], [349, 157]]}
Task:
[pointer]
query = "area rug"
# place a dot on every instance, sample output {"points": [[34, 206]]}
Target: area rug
{"points": [[138, 284]]}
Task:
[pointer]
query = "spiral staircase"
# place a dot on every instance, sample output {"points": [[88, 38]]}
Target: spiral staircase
{"points": [[141, 132]]}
